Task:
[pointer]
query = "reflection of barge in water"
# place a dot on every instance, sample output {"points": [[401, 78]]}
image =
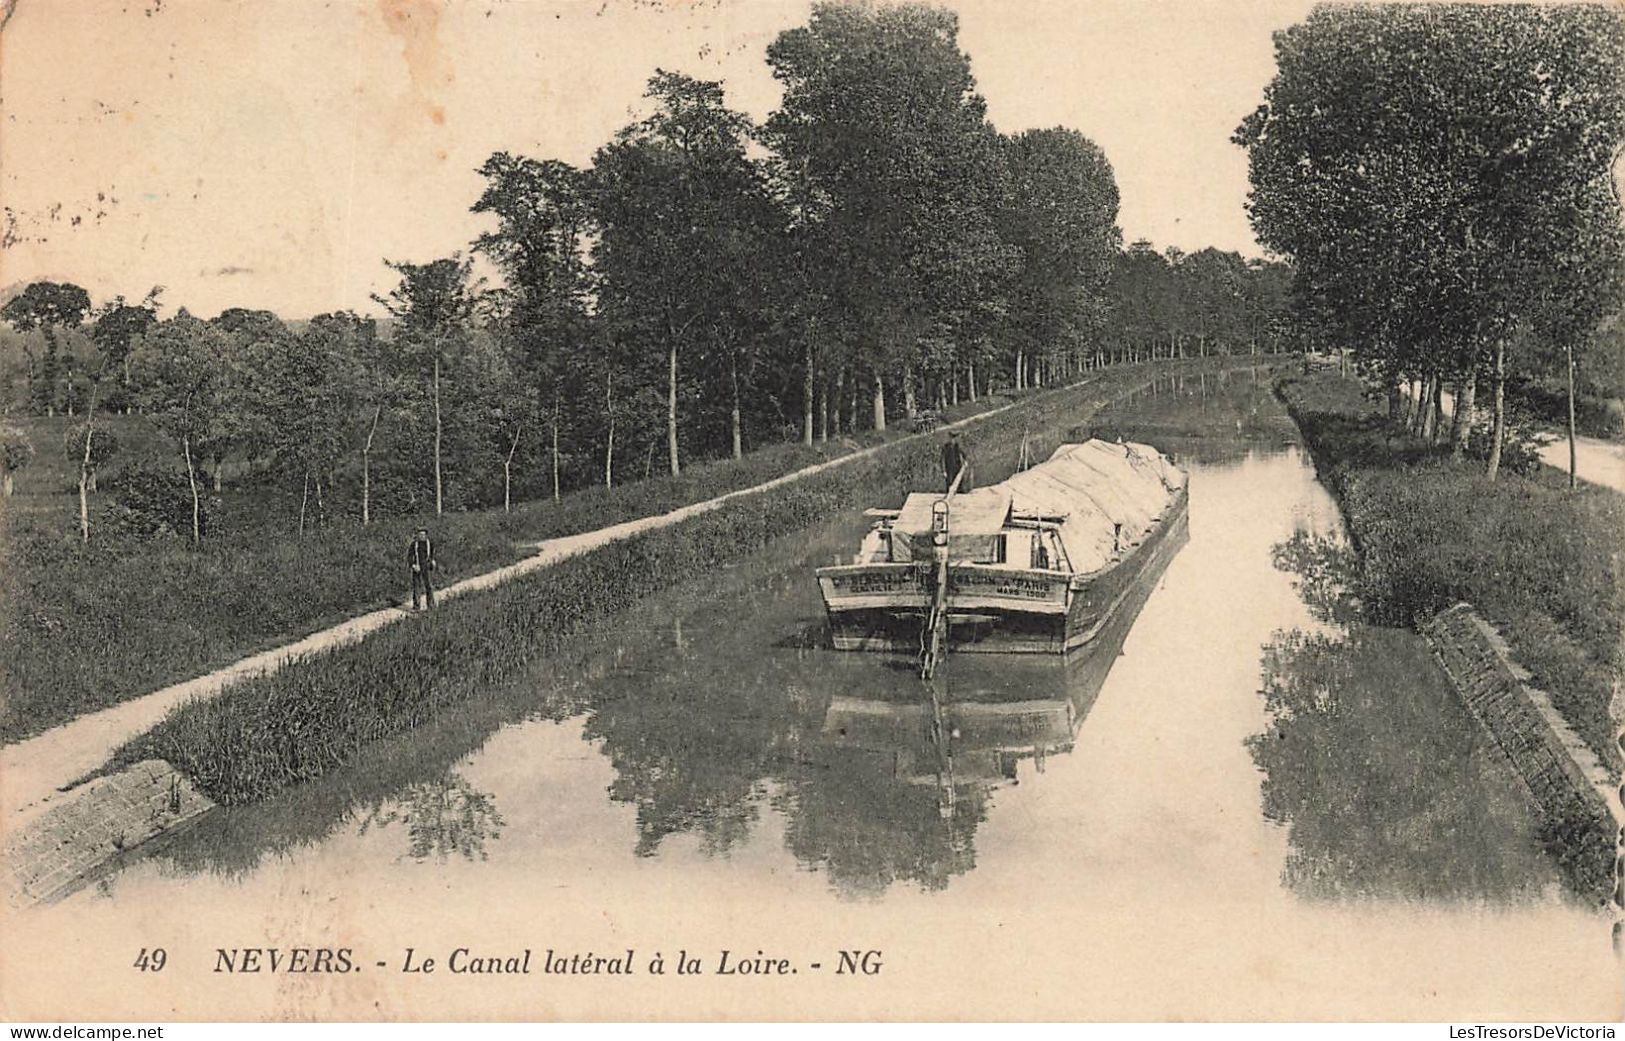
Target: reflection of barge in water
{"points": [[985, 714], [1041, 562]]}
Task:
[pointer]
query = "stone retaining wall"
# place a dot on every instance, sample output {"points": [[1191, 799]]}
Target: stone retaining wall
{"points": [[94, 827], [1579, 807]]}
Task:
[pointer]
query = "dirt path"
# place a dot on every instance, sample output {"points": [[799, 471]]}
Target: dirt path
{"points": [[34, 771], [1595, 460], [1598, 461]]}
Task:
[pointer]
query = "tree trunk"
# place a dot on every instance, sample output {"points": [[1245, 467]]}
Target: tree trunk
{"points": [[840, 399], [880, 403], [84, 484], [911, 404], [1498, 429], [304, 498], [6, 484], [1461, 423], [1021, 369], [321, 507], [807, 400], [507, 469], [555, 449], [970, 369], [1574, 461], [671, 408], [191, 479], [366, 467], [609, 444], [953, 397], [823, 413], [215, 466], [439, 502], [1438, 410], [733, 414]]}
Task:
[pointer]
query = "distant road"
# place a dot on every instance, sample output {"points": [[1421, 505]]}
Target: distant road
{"points": [[1598, 461]]}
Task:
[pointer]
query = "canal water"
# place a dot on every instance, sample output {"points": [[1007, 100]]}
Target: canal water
{"points": [[1248, 805]]}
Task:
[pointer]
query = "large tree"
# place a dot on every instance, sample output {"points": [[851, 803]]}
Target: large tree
{"points": [[48, 307], [1061, 212], [684, 218], [543, 214], [1441, 177], [119, 324], [881, 121], [435, 305], [180, 368]]}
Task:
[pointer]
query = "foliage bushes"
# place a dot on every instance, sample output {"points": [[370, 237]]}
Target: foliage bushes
{"points": [[151, 501], [1594, 416], [1532, 556], [264, 734]]}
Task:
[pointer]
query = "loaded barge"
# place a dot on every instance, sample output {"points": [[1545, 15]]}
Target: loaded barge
{"points": [[1038, 563]]}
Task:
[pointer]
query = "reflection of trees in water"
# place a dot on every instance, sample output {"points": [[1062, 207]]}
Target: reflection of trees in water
{"points": [[444, 816], [1230, 405], [1325, 570], [692, 759], [869, 828], [1385, 783], [697, 752]]}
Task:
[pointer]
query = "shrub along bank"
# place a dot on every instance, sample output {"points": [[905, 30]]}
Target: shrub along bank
{"points": [[264, 734], [1536, 559], [85, 626]]}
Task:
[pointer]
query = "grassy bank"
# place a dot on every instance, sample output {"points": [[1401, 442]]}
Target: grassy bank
{"points": [[267, 733], [87, 626], [1536, 559]]}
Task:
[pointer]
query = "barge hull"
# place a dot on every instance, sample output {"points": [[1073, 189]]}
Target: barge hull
{"points": [[997, 611]]}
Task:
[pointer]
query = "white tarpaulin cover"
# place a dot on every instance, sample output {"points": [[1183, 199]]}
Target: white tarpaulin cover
{"points": [[1087, 488]]}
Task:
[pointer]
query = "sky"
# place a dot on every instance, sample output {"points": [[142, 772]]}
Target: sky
{"points": [[273, 153]]}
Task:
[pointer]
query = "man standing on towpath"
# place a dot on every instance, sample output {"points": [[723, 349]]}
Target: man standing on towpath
{"points": [[420, 555], [954, 456]]}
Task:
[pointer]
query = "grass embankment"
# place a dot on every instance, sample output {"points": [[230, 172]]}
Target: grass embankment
{"points": [[88, 626], [270, 732], [1536, 559]]}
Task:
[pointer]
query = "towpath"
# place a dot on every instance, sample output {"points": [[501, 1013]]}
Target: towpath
{"points": [[35, 771]]}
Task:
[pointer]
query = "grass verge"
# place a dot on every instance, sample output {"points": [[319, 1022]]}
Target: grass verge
{"points": [[1538, 560], [267, 733]]}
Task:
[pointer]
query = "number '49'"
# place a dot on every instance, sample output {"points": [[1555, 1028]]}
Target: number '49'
{"points": [[151, 961]]}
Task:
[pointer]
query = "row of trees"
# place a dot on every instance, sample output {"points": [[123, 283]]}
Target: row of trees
{"points": [[1442, 179], [706, 283]]}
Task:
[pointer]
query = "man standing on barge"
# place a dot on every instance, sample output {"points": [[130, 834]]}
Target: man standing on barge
{"points": [[954, 457]]}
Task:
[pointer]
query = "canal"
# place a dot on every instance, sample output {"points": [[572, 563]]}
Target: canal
{"points": [[1249, 805]]}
